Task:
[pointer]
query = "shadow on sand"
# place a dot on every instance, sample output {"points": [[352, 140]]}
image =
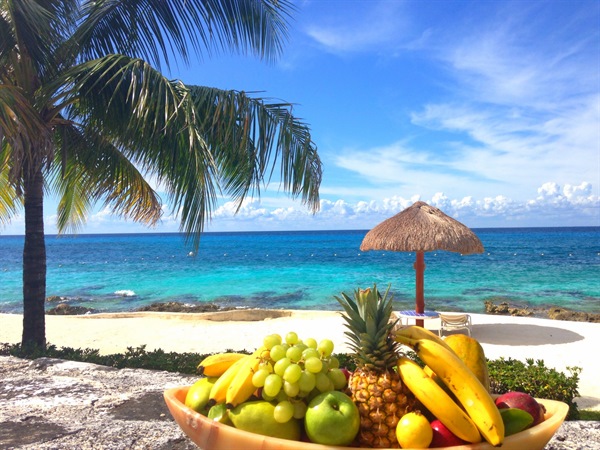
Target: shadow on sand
{"points": [[522, 334]]}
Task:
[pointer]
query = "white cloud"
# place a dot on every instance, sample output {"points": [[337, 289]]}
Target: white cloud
{"points": [[550, 205], [553, 206], [364, 27]]}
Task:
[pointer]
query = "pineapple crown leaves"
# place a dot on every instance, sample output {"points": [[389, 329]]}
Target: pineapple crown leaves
{"points": [[368, 321]]}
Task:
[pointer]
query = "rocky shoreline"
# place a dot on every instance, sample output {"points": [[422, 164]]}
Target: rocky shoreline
{"points": [[550, 312], [64, 309], [503, 308]]}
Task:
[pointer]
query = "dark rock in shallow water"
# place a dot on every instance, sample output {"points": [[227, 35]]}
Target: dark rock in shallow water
{"points": [[183, 307], [507, 309], [553, 312], [577, 316], [63, 309]]}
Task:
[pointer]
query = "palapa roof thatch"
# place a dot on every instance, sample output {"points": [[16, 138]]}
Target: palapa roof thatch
{"points": [[422, 228]]}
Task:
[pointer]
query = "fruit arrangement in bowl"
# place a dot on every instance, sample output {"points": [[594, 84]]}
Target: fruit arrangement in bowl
{"points": [[291, 393]]}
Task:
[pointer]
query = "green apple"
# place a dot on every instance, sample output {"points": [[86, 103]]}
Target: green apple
{"points": [[332, 418]]}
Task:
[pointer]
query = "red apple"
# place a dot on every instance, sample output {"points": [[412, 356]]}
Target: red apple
{"points": [[346, 372], [522, 401], [443, 437]]}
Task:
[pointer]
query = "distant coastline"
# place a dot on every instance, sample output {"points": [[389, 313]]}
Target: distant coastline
{"points": [[504, 309], [352, 230]]}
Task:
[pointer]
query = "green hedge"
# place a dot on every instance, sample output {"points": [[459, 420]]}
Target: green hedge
{"points": [[534, 378]]}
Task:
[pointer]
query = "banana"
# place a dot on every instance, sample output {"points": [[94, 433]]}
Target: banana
{"points": [[219, 390], [469, 391], [241, 388], [414, 332], [435, 399], [216, 365]]}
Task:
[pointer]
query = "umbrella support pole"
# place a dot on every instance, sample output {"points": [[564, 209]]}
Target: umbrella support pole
{"points": [[420, 296]]}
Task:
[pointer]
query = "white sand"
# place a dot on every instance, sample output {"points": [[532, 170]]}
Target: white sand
{"points": [[560, 344]]}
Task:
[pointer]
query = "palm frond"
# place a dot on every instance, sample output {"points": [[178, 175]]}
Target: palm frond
{"points": [[21, 128], [9, 201], [18, 118], [152, 121], [155, 29], [32, 31], [90, 169], [249, 136]]}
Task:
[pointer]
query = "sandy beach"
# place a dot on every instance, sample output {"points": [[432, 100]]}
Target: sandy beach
{"points": [[560, 344]]}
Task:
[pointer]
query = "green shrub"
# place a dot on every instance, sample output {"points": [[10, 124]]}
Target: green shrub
{"points": [[535, 379], [135, 358]]}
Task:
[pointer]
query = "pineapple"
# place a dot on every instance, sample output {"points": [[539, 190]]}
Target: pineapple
{"points": [[375, 386]]}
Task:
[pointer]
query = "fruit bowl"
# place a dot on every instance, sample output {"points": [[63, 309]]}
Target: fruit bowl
{"points": [[210, 435]]}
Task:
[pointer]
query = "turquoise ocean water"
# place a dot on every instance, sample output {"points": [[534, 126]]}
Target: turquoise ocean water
{"points": [[304, 270]]}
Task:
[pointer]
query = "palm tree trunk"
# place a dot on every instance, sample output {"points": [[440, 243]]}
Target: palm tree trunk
{"points": [[34, 264]]}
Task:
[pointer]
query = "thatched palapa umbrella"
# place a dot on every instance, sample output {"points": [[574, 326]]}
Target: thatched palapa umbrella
{"points": [[421, 228]]}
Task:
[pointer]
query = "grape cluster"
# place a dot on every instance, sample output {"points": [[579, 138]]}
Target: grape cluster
{"points": [[296, 371]]}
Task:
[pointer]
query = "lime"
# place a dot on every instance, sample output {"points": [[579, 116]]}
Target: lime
{"points": [[219, 413]]}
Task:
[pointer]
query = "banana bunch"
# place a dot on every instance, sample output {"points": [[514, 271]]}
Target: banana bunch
{"points": [[234, 385], [480, 415], [216, 365]]}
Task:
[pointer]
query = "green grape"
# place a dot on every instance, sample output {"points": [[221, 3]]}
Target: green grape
{"points": [[307, 381], [325, 347], [282, 396], [323, 383], [301, 345], [265, 365], [311, 343], [271, 341], [265, 396], [278, 352], [291, 338], [292, 373], [338, 378], [299, 410], [284, 411], [273, 384], [313, 364], [291, 389], [285, 346], [259, 377], [294, 353], [310, 352], [334, 363], [281, 365], [325, 366]]}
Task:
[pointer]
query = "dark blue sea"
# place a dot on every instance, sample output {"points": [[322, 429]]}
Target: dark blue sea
{"points": [[305, 270]]}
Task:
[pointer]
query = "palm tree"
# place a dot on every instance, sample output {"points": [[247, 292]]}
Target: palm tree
{"points": [[86, 114]]}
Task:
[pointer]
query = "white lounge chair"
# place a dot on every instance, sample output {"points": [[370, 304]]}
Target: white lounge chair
{"points": [[451, 322]]}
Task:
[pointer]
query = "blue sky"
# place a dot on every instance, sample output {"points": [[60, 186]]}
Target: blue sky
{"points": [[489, 110]]}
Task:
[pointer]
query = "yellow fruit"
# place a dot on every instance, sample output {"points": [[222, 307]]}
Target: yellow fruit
{"points": [[470, 351], [414, 431], [375, 386], [468, 390], [258, 417], [198, 394]]}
